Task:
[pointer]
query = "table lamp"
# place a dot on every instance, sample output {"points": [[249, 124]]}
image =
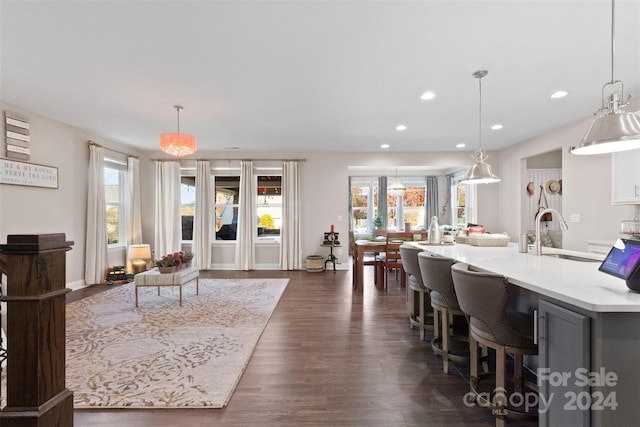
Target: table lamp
{"points": [[139, 254]]}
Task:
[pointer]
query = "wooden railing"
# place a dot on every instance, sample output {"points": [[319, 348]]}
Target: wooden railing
{"points": [[35, 270]]}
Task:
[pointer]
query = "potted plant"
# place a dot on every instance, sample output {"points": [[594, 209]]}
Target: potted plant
{"points": [[171, 263], [377, 223]]}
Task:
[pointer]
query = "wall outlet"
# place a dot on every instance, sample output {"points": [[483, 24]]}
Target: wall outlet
{"points": [[574, 218], [339, 217]]}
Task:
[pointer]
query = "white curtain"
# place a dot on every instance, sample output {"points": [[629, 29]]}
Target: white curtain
{"points": [[247, 219], [133, 219], [203, 220], [96, 260], [290, 246], [168, 224]]}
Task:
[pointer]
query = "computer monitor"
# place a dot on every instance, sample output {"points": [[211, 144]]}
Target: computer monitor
{"points": [[622, 259]]}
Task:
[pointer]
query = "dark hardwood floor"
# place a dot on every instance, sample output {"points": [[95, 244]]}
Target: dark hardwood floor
{"points": [[328, 357]]}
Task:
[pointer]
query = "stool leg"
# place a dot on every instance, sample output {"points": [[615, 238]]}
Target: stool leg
{"points": [[136, 296], [421, 324], [180, 295], [473, 361], [197, 284], [436, 325], [501, 392], [445, 340]]}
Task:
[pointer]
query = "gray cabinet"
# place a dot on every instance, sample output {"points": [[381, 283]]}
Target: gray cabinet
{"points": [[625, 177], [563, 347]]}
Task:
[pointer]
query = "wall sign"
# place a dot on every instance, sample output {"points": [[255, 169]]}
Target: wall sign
{"points": [[17, 131], [30, 174]]}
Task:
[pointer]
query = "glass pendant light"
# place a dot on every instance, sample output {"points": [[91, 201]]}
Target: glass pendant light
{"points": [[616, 130], [396, 189], [480, 172]]}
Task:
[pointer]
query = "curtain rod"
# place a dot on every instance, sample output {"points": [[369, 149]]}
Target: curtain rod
{"points": [[111, 149], [233, 160]]}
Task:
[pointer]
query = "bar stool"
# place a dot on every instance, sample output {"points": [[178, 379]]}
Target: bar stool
{"points": [[436, 276], [483, 296], [419, 311]]}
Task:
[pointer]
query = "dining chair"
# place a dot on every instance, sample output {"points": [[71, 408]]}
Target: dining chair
{"points": [[392, 260], [369, 259]]}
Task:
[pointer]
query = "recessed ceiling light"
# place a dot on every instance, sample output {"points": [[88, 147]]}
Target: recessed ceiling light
{"points": [[497, 126], [401, 127], [559, 94], [461, 145], [427, 96], [384, 146]]}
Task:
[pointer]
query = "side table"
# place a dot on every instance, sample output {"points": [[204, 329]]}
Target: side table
{"points": [[331, 258]]}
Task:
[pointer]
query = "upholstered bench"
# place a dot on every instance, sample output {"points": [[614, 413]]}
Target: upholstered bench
{"points": [[155, 278]]}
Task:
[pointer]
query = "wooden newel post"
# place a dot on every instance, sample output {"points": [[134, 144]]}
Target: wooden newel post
{"points": [[35, 269]]}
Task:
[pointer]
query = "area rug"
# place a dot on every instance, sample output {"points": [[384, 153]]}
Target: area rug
{"points": [[161, 355]]}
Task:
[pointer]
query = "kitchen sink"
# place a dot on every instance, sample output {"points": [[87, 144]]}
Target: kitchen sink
{"points": [[573, 257]]}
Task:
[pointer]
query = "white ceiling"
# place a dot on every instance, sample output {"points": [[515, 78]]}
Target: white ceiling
{"points": [[315, 75]]}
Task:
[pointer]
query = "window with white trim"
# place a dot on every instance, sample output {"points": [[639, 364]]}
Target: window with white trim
{"points": [[115, 175]]}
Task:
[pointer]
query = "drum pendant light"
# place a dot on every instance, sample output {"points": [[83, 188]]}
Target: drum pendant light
{"points": [[480, 172], [178, 144], [616, 130]]}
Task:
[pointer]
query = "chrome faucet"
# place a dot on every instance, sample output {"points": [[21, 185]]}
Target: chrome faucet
{"points": [[563, 227]]}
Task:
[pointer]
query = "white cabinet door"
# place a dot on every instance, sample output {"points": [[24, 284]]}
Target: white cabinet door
{"points": [[625, 177]]}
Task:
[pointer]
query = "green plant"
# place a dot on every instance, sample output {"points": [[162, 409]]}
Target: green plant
{"points": [[377, 222]]}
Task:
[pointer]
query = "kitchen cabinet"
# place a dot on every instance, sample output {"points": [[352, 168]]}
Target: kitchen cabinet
{"points": [[625, 177], [563, 347]]}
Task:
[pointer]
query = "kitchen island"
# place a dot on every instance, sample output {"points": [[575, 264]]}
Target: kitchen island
{"points": [[589, 333]]}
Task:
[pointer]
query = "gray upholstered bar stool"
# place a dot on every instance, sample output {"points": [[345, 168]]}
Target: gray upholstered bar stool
{"points": [[436, 275], [484, 296], [417, 292]]}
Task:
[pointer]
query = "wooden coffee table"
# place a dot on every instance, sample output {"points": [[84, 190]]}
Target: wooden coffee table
{"points": [[155, 278]]}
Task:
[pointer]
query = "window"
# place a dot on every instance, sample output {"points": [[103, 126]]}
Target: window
{"points": [[269, 205], [187, 205], [364, 204], [463, 201], [227, 192], [413, 204], [114, 184]]}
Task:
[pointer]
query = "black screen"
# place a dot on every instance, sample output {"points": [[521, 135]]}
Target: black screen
{"points": [[622, 260]]}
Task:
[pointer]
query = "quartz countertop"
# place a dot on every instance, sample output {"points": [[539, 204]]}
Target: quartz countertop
{"points": [[574, 282]]}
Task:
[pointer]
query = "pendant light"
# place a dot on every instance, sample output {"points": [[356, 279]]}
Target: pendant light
{"points": [[177, 144], [480, 172], [396, 189], [616, 130]]}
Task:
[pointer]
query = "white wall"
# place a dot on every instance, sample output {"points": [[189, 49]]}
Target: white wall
{"points": [[34, 210], [586, 187]]}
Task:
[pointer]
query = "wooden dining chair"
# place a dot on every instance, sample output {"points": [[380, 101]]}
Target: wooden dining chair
{"points": [[369, 259], [392, 258]]}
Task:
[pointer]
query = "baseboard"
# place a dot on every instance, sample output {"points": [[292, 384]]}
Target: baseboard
{"points": [[78, 284]]}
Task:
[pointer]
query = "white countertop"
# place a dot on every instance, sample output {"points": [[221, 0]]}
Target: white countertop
{"points": [[574, 282]]}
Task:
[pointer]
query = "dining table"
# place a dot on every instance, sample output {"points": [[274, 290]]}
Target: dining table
{"points": [[362, 247]]}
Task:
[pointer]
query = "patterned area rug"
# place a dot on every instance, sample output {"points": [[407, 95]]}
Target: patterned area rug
{"points": [[161, 355]]}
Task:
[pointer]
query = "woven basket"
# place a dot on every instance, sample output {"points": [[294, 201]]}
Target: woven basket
{"points": [[478, 239], [315, 264], [462, 239]]}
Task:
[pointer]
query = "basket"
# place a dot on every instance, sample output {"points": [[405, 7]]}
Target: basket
{"points": [[315, 263], [462, 239], [481, 239]]}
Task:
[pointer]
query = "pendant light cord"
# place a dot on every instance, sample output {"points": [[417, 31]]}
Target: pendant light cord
{"points": [[178, 108], [480, 113], [613, 26]]}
